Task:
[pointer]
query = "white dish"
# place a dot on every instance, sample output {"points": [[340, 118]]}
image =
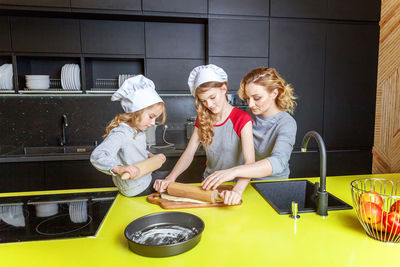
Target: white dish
{"points": [[46, 209]]}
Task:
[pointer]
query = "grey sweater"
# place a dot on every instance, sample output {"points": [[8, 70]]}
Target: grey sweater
{"points": [[274, 138], [122, 147]]}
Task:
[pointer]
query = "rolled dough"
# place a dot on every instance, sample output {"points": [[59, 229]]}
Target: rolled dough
{"points": [[183, 199]]}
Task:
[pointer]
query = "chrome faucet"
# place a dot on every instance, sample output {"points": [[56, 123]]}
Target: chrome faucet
{"points": [[321, 194], [64, 125]]}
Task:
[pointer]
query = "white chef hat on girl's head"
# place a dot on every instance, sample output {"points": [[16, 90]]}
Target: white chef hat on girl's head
{"points": [[205, 73], [136, 93]]}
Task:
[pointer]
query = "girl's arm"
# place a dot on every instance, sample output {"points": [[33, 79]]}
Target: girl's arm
{"points": [[183, 163]]}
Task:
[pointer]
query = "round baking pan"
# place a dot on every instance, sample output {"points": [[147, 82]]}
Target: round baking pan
{"points": [[194, 224]]}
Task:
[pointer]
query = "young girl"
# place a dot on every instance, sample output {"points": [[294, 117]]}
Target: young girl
{"points": [[125, 140], [224, 131], [270, 101]]}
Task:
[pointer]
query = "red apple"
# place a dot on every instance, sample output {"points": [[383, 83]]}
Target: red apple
{"points": [[371, 213], [381, 226], [393, 222], [371, 196], [395, 206]]}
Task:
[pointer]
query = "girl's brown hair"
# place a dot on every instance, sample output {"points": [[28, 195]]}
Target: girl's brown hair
{"points": [[206, 118], [132, 119], [271, 80]]}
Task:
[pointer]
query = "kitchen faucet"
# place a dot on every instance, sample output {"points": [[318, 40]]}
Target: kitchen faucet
{"points": [[64, 125], [321, 194]]}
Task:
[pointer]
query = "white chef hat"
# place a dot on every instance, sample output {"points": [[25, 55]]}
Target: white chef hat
{"points": [[136, 93], [205, 73]]}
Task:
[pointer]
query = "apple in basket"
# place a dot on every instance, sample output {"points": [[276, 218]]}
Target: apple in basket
{"points": [[393, 222], [381, 226], [395, 206], [371, 213], [371, 196]]}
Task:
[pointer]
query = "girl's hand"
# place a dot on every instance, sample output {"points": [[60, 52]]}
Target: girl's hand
{"points": [[162, 156], [130, 169], [231, 197], [217, 178], [160, 185]]}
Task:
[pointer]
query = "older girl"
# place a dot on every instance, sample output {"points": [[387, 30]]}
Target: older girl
{"points": [[224, 131], [271, 101], [125, 140]]}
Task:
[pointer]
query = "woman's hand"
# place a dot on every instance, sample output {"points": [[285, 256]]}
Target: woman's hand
{"points": [[132, 170], [161, 185], [217, 178], [231, 197]]}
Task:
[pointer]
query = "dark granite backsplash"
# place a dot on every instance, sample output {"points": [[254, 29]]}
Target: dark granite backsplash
{"points": [[35, 120]]}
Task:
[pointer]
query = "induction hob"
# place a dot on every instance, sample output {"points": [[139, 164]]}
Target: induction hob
{"points": [[55, 216]]}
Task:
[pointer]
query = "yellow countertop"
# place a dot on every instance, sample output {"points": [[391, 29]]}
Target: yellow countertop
{"points": [[252, 234]]}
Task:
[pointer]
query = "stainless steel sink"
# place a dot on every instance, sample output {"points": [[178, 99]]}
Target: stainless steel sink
{"points": [[280, 195], [45, 150]]}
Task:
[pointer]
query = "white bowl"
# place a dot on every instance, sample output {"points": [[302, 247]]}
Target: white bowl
{"points": [[46, 209], [37, 77]]}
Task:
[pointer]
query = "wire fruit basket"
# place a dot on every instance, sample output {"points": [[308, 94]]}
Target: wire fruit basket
{"points": [[377, 204]]}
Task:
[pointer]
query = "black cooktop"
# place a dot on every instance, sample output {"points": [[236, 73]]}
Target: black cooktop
{"points": [[55, 216]]}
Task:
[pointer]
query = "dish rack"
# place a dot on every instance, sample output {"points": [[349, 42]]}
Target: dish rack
{"points": [[378, 219]]}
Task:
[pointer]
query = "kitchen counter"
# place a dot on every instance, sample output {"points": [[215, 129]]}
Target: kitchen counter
{"points": [[251, 234]]}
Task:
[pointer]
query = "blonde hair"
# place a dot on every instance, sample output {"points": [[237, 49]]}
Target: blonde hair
{"points": [[271, 80], [132, 119], [206, 118]]}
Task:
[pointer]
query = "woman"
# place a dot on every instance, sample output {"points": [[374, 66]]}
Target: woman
{"points": [[224, 131], [270, 100]]}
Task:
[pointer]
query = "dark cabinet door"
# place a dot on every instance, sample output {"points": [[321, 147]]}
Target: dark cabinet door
{"points": [[187, 6], [170, 75], [247, 38], [298, 54], [175, 40], [355, 9], [41, 3], [236, 68], [350, 85], [239, 7], [5, 39], [114, 37], [19, 177], [299, 9], [45, 35], [108, 4]]}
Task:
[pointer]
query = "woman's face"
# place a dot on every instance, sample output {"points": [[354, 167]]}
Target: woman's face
{"points": [[214, 99], [149, 117], [260, 101]]}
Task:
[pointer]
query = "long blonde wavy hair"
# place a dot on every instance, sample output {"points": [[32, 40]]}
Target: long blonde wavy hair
{"points": [[206, 118], [132, 119], [271, 80]]}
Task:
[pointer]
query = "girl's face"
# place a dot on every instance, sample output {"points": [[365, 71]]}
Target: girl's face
{"points": [[260, 101], [149, 117], [214, 99]]}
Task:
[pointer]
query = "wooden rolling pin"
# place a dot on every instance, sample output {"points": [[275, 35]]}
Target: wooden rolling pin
{"points": [[193, 192], [146, 166]]}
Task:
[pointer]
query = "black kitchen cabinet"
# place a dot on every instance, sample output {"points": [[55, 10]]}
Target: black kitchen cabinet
{"points": [[368, 10], [236, 68], [5, 38], [19, 177], [297, 52], [299, 9], [175, 40], [185, 6], [112, 37], [170, 75], [350, 85], [129, 5], [238, 38], [239, 7], [37, 3], [45, 35]]}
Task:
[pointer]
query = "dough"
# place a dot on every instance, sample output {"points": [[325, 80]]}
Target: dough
{"points": [[183, 199]]}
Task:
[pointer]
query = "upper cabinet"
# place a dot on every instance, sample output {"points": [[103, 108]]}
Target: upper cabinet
{"points": [[5, 39], [112, 37], [45, 35], [128, 5], [175, 40], [239, 7], [237, 37], [364, 10], [37, 3], [185, 6]]}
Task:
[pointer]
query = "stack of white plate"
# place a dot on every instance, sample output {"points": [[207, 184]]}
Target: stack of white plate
{"points": [[123, 77], [6, 75], [70, 79], [13, 215], [78, 211], [37, 82]]}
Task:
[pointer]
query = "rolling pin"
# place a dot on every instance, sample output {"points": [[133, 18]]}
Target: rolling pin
{"points": [[193, 192], [146, 166]]}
